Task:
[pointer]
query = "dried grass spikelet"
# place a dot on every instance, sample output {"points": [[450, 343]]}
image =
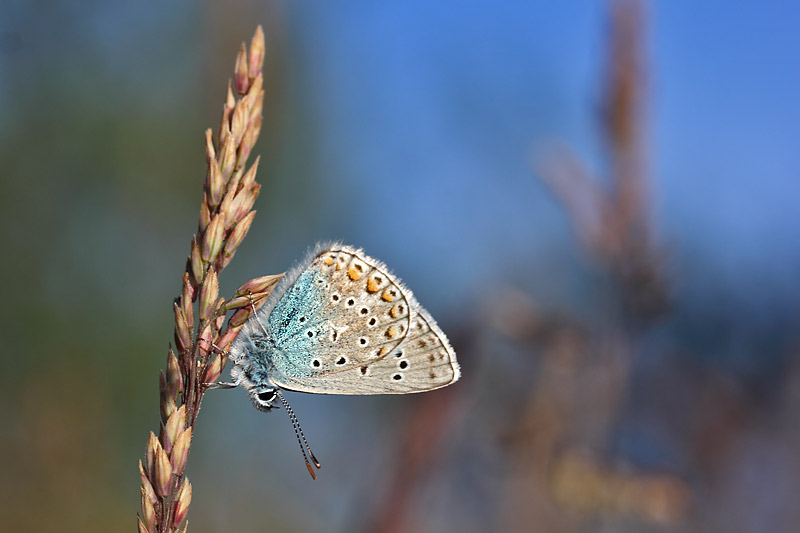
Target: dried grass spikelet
{"points": [[226, 213]]}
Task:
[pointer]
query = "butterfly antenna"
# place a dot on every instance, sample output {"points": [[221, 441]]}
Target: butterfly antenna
{"points": [[301, 438], [255, 313]]}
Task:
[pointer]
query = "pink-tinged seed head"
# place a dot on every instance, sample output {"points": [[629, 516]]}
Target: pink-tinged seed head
{"points": [[227, 158], [239, 233], [239, 317], [249, 139], [187, 297], [256, 89], [240, 75], [148, 516], [147, 487], [239, 121], [258, 103], [250, 176], [237, 302], [230, 100], [204, 341], [243, 202], [228, 337], [211, 154], [175, 424], [213, 239], [216, 183], [174, 376], [180, 451], [205, 215], [256, 53], [197, 261], [182, 334], [150, 455], [214, 369], [259, 285], [167, 407], [230, 194], [182, 503], [163, 472], [224, 126], [209, 292]]}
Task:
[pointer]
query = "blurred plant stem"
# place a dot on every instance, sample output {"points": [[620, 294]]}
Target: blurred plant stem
{"points": [[584, 373], [613, 222], [229, 193]]}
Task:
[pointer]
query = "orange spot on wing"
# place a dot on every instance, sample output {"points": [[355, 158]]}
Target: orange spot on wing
{"points": [[387, 295], [372, 285], [354, 274], [392, 332], [328, 261]]}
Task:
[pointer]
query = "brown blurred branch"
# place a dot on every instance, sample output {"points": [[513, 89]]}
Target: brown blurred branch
{"points": [[573, 406], [613, 220]]}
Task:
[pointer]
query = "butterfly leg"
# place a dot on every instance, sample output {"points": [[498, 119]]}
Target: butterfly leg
{"points": [[221, 385], [217, 348], [255, 313]]}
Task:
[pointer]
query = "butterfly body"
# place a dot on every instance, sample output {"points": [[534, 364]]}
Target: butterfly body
{"points": [[341, 323]]}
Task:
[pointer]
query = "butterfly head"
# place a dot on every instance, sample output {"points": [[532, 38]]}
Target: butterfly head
{"points": [[261, 394], [263, 398]]}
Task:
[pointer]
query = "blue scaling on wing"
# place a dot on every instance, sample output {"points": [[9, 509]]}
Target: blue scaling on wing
{"points": [[294, 325], [296, 309]]}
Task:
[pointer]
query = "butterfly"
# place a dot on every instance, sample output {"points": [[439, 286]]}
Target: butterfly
{"points": [[339, 323]]}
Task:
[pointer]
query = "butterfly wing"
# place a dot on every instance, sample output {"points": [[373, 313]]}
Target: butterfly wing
{"points": [[345, 325], [423, 361]]}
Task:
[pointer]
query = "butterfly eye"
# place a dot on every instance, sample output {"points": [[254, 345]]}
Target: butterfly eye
{"points": [[266, 396]]}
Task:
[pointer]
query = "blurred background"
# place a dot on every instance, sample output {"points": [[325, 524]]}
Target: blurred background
{"points": [[596, 200]]}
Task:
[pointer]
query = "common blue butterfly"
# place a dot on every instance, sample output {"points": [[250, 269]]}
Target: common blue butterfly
{"points": [[339, 323]]}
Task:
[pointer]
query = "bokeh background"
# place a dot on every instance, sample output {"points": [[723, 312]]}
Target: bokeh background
{"points": [[596, 199]]}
